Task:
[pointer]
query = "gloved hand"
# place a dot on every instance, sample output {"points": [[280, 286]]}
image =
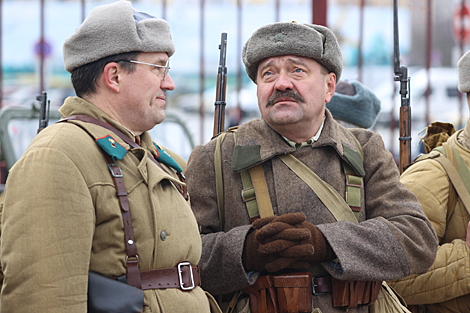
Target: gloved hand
{"points": [[276, 244], [280, 254], [290, 218], [322, 249], [284, 227]]}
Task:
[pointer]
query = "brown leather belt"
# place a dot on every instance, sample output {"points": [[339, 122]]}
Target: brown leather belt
{"points": [[184, 276], [321, 285]]}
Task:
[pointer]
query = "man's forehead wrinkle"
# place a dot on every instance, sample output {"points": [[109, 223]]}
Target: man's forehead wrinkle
{"points": [[288, 59]]}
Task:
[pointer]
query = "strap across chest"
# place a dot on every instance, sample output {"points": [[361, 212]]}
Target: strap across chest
{"points": [[256, 196], [184, 276]]}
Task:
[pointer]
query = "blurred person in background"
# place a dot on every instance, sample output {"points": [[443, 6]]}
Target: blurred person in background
{"points": [[354, 105], [445, 288]]}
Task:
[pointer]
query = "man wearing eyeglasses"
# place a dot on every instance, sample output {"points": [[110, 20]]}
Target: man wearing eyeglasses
{"points": [[93, 194]]}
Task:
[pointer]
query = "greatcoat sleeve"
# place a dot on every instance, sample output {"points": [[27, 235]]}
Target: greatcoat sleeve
{"points": [[47, 232], [449, 276], [393, 238]]}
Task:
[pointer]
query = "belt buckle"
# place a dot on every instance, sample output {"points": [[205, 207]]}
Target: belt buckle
{"points": [[118, 172], [313, 288], [180, 275]]}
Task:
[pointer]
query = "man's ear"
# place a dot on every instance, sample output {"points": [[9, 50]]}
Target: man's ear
{"points": [[111, 76], [330, 82]]}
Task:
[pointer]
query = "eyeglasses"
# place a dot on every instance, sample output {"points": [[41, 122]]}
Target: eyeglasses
{"points": [[166, 67]]}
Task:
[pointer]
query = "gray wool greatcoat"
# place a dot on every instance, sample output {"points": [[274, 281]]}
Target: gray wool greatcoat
{"points": [[393, 238]]}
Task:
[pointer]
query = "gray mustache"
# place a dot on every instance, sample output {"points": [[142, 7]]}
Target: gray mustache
{"points": [[289, 93]]}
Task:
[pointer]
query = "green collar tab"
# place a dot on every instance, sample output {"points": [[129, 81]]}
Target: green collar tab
{"points": [[165, 158], [112, 147], [245, 156], [355, 159]]}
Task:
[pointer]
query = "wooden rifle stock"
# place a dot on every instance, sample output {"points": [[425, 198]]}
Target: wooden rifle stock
{"points": [[405, 138], [401, 75], [219, 115]]}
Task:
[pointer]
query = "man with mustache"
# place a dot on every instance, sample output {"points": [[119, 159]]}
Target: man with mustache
{"points": [[275, 259], [94, 198]]}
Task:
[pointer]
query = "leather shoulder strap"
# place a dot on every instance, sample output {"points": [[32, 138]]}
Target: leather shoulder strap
{"points": [[89, 119], [132, 259], [327, 194], [455, 178], [219, 182], [92, 120]]}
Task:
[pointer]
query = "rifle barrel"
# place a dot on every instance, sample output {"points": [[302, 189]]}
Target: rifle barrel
{"points": [[396, 48], [219, 115]]}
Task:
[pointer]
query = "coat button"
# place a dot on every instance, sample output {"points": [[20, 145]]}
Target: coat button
{"points": [[163, 235]]}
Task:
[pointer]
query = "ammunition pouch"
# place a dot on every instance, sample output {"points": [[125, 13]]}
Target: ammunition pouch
{"points": [[285, 293], [262, 295], [292, 293], [352, 294]]}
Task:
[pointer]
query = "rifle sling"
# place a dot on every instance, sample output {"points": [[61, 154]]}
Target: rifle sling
{"points": [[219, 184]]}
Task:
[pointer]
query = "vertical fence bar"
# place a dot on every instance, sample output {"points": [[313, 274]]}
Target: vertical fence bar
{"points": [[83, 10], [41, 49], [1, 53], [276, 11], [164, 9], [361, 40], [461, 46], [201, 72], [319, 12], [239, 60], [428, 59]]}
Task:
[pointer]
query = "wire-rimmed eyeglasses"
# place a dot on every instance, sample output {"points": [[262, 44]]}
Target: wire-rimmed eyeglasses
{"points": [[165, 67]]}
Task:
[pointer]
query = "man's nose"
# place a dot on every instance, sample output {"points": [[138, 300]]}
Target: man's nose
{"points": [[168, 83], [284, 82]]}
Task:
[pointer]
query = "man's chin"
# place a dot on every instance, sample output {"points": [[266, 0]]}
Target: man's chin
{"points": [[284, 118]]}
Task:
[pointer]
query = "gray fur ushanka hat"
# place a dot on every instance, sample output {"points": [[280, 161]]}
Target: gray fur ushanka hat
{"points": [[354, 103], [464, 73], [290, 38], [116, 28]]}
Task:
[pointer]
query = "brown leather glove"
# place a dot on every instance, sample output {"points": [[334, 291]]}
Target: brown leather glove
{"points": [[322, 249], [292, 253], [290, 218], [276, 243], [277, 233]]}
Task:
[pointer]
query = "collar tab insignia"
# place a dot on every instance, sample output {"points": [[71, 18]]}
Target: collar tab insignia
{"points": [[112, 147], [165, 158]]}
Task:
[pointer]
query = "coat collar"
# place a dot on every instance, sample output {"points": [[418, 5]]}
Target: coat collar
{"points": [[79, 106], [257, 142]]}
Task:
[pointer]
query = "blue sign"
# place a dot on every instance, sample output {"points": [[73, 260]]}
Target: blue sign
{"points": [[43, 48]]}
